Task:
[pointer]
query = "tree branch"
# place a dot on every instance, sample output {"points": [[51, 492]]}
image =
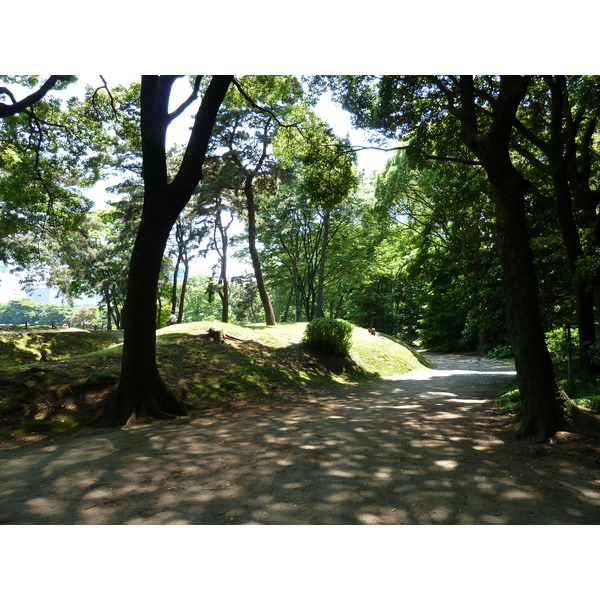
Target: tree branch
{"points": [[464, 161], [262, 109], [8, 110], [191, 99]]}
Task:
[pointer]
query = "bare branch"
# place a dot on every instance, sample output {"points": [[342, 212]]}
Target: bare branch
{"points": [[110, 96], [464, 161], [190, 100], [262, 109]]}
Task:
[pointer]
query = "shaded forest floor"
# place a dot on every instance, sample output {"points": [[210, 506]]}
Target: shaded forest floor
{"points": [[426, 447]]}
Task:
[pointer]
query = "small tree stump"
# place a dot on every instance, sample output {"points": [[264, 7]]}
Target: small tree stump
{"points": [[216, 335]]}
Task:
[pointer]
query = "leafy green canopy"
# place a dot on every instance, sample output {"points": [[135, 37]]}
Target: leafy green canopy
{"points": [[49, 151]]}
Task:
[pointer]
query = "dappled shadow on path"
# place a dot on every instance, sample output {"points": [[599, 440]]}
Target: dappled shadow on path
{"points": [[423, 448]]}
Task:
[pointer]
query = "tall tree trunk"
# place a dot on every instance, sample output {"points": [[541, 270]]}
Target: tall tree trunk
{"points": [[321, 280], [108, 309], [141, 393], [117, 315], [158, 310], [545, 407], [175, 276], [543, 400], [260, 280], [186, 274], [584, 295], [224, 283]]}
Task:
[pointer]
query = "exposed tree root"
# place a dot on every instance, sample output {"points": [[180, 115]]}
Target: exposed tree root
{"points": [[572, 419], [147, 401]]}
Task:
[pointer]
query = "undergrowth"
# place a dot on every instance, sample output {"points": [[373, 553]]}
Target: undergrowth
{"points": [[582, 389]]}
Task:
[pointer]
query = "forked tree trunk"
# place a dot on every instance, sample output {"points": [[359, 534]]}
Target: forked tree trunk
{"points": [[141, 393]]}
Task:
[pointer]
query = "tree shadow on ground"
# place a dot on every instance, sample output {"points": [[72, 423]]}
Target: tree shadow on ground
{"points": [[424, 448]]}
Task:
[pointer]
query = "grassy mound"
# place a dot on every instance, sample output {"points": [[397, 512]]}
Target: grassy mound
{"points": [[24, 347], [256, 364]]}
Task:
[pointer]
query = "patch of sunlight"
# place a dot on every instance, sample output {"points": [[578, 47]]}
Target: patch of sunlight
{"points": [[383, 473], [271, 439], [405, 406], [341, 473], [44, 506], [468, 401], [427, 443], [369, 519], [487, 445], [446, 464], [446, 415], [517, 495], [340, 379]]}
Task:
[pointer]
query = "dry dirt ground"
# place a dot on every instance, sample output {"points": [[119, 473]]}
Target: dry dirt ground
{"points": [[428, 447]]}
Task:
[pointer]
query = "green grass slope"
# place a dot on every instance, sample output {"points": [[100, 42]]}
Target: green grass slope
{"points": [[24, 347], [256, 365]]}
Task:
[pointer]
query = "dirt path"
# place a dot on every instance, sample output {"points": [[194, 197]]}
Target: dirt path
{"points": [[423, 448]]}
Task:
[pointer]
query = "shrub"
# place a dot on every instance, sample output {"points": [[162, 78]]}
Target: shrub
{"points": [[500, 352], [510, 401], [559, 346], [329, 336]]}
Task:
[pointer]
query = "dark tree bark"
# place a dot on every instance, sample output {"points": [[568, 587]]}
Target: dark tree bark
{"points": [[546, 408], [141, 393]]}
